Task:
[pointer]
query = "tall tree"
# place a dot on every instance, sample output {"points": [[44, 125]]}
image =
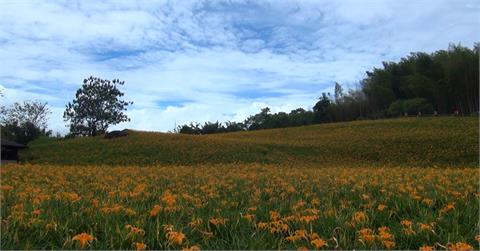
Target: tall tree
{"points": [[338, 92], [96, 106], [321, 109]]}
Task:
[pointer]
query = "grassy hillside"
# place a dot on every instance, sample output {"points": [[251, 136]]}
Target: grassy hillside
{"points": [[406, 142]]}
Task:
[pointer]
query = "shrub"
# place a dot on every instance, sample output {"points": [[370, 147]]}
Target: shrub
{"points": [[410, 106]]}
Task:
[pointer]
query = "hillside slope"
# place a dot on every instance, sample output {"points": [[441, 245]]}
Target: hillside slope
{"points": [[403, 142]]}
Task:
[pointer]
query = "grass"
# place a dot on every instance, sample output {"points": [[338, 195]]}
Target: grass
{"points": [[401, 142], [389, 184]]}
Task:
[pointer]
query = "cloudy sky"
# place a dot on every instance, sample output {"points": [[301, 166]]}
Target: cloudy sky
{"points": [[200, 61]]}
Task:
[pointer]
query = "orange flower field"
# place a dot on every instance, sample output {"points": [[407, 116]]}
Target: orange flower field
{"points": [[242, 206]]}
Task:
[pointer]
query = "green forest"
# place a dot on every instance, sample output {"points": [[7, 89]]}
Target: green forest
{"points": [[439, 83]]}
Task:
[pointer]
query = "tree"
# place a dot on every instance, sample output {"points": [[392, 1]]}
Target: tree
{"points": [[34, 112], [22, 133], [258, 120], [321, 109], [2, 108], [447, 79], [96, 106], [189, 129], [338, 92], [24, 122], [210, 128], [234, 126], [300, 116]]}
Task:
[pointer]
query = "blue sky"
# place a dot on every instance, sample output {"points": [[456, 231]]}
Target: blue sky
{"points": [[201, 61]]}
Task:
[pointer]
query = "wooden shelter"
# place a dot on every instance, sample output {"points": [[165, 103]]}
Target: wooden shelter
{"points": [[10, 151]]}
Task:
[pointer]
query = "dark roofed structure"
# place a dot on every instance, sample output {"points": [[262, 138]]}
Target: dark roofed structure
{"points": [[10, 151]]}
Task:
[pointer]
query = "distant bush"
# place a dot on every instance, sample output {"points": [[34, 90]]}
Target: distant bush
{"points": [[397, 108], [22, 133], [410, 107]]}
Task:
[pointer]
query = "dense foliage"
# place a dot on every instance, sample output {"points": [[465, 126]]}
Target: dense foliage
{"points": [[22, 133], [24, 122], [446, 79], [238, 207], [443, 82], [96, 106]]}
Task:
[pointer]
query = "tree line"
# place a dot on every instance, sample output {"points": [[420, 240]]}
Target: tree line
{"points": [[442, 82]]}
